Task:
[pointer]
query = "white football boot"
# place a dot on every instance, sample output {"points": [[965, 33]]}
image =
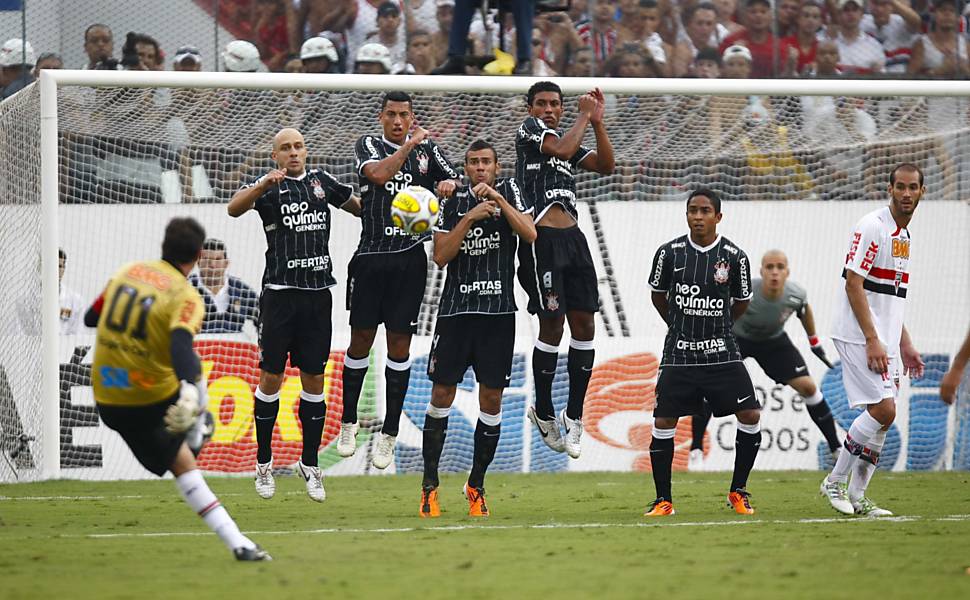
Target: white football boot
{"points": [[265, 484], [838, 495], [864, 507], [383, 450], [314, 481], [548, 431], [573, 431], [347, 440]]}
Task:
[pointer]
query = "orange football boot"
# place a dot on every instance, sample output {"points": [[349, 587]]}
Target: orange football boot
{"points": [[738, 499], [429, 502], [476, 501], [660, 508]]}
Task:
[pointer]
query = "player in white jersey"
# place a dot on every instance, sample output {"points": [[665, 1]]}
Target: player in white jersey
{"points": [[896, 26], [871, 339]]}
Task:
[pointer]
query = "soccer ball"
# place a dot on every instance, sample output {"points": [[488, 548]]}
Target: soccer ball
{"points": [[414, 209]]}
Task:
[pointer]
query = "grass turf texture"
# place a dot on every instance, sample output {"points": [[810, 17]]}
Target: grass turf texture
{"points": [[576, 534]]}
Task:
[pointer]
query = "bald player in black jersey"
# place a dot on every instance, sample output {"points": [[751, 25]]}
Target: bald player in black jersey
{"points": [[557, 270], [293, 203], [389, 271], [701, 283]]}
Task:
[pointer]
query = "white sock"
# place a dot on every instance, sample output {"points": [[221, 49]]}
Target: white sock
{"points": [[814, 399], [863, 471], [197, 494], [863, 428]]}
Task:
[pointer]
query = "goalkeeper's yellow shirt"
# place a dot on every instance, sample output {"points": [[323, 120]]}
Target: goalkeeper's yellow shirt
{"points": [[143, 303]]}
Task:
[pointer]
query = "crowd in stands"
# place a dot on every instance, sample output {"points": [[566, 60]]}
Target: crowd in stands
{"points": [[615, 38]]}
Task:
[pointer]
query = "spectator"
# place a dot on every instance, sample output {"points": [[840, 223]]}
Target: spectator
{"points": [[700, 31], [580, 64], [444, 13], [373, 59], [420, 55], [389, 32], [629, 11], [727, 15], [540, 68], [798, 50], [859, 53], [16, 63], [785, 24], [272, 34], [579, 12], [757, 37], [241, 56], [140, 52], [896, 26], [318, 55], [826, 60], [601, 34], [941, 53], [523, 12], [187, 58], [633, 60], [229, 302], [365, 23], [737, 62], [707, 64], [559, 38], [645, 33], [99, 45], [48, 60], [419, 14], [313, 16]]}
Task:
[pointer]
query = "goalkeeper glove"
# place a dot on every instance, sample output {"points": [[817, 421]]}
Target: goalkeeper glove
{"points": [[179, 417], [819, 351]]}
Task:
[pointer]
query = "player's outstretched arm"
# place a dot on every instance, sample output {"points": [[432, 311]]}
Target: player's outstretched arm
{"points": [[601, 161], [381, 171], [243, 200], [807, 317], [951, 380], [661, 303], [448, 243], [521, 224], [565, 147]]}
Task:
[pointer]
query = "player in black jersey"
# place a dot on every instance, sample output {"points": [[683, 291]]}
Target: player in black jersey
{"points": [[701, 283], [476, 238], [388, 273], [295, 305], [557, 270]]}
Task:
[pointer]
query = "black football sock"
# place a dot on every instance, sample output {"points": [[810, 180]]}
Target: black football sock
{"points": [[545, 358], [698, 426], [265, 411], [745, 452], [486, 441], [355, 369], [661, 461], [580, 367], [822, 416], [435, 430], [312, 411], [397, 374]]}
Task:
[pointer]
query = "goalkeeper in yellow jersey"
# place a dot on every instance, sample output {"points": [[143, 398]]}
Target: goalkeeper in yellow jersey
{"points": [[147, 378]]}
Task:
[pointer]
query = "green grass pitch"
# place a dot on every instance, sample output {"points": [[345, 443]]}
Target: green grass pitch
{"points": [[550, 535]]}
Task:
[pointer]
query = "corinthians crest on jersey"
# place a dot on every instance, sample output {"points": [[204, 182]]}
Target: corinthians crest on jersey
{"points": [[722, 271], [318, 189]]}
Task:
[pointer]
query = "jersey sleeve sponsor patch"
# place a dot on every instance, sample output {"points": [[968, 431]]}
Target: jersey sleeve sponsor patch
{"points": [[741, 280], [533, 130], [188, 311], [863, 247], [367, 150], [660, 272]]}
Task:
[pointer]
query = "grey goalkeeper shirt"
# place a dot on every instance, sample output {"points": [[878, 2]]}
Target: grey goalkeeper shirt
{"points": [[765, 317]]}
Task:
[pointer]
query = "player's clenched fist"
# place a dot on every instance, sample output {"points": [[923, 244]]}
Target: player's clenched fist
{"points": [[446, 188], [483, 210], [274, 177], [587, 104]]}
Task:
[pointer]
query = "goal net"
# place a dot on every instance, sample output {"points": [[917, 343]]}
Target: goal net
{"points": [[796, 173]]}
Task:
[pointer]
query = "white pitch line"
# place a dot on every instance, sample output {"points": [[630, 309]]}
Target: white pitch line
{"points": [[447, 528]]}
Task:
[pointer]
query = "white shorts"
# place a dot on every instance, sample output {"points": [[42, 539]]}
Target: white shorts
{"points": [[862, 385]]}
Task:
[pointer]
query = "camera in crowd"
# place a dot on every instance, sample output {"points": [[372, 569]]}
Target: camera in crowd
{"points": [[129, 54]]}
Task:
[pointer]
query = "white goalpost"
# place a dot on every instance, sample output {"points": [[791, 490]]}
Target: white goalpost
{"points": [[96, 162]]}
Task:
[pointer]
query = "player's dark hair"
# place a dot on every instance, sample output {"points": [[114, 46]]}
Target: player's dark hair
{"points": [[183, 241], [481, 145], [94, 26], [61, 255], [710, 195], [542, 86], [215, 245], [905, 167], [648, 3], [396, 97]]}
